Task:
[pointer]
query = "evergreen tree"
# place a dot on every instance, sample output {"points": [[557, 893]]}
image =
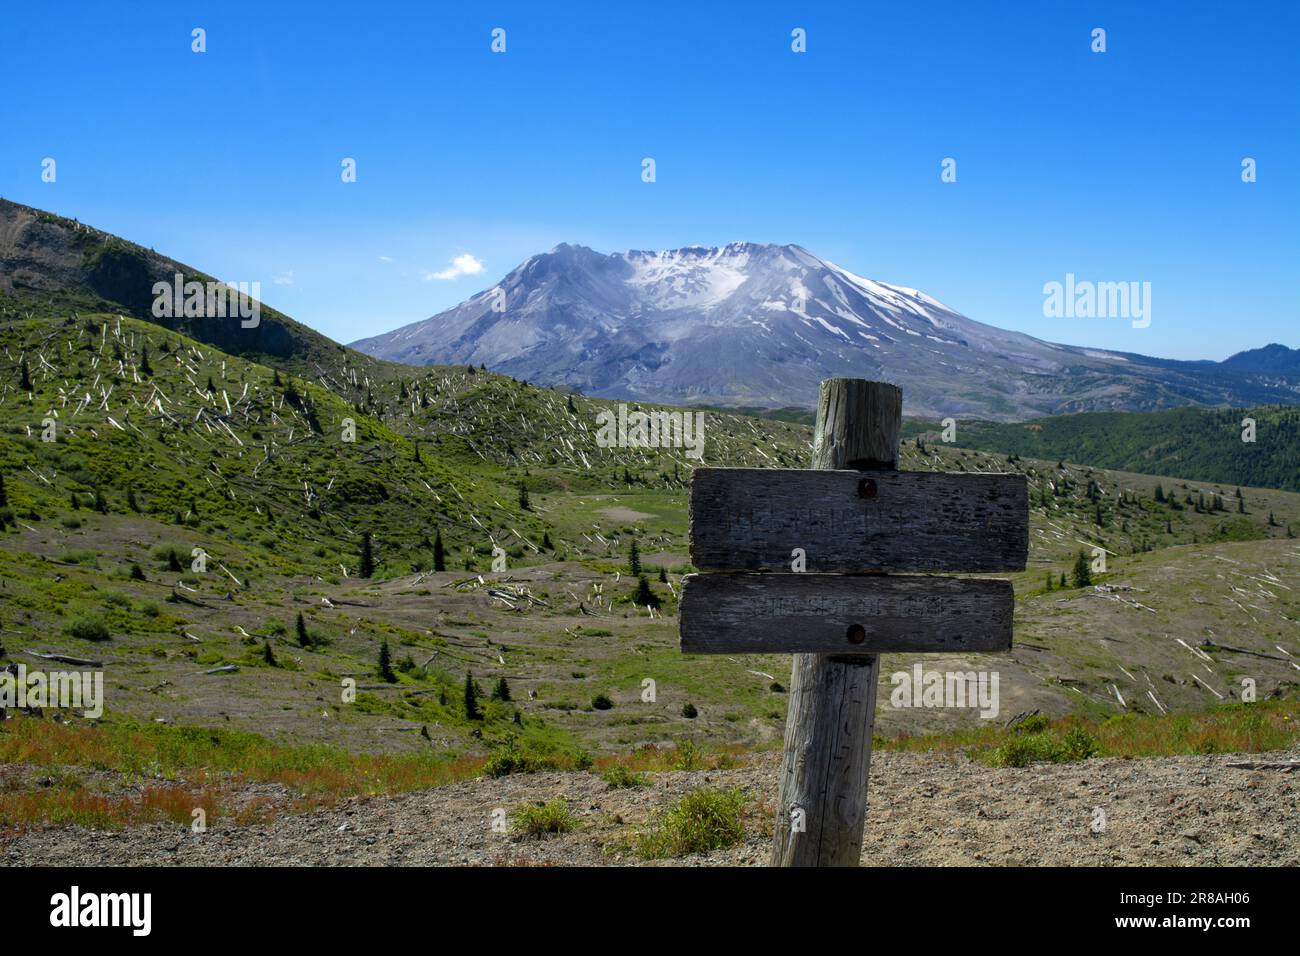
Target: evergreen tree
{"points": [[1049, 580], [137, 573], [130, 500], [304, 638], [4, 495], [1082, 571], [634, 558], [76, 505], [572, 409], [523, 497], [173, 561], [24, 376], [385, 669], [644, 595], [663, 575], [100, 504], [367, 556], [145, 367], [546, 541], [1062, 579], [268, 655], [501, 690], [439, 553], [275, 378], [1241, 504], [471, 697]]}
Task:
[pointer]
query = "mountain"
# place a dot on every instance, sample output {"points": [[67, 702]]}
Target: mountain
{"points": [[1274, 358], [49, 262], [761, 325]]}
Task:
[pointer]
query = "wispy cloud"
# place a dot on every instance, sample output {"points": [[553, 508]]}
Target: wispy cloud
{"points": [[284, 278], [463, 265]]}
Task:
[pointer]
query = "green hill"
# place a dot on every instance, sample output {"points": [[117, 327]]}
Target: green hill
{"points": [[1194, 443]]}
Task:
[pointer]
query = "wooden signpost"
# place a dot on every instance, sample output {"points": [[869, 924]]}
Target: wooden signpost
{"points": [[794, 562]]}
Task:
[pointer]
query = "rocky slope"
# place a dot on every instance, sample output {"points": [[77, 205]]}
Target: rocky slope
{"points": [[925, 809]]}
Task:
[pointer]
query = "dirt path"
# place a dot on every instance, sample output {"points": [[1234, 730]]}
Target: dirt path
{"points": [[926, 809]]}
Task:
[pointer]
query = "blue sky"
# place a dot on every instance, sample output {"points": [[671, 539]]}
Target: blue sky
{"points": [[1118, 166]]}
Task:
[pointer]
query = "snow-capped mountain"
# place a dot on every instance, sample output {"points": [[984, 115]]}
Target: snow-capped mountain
{"points": [[761, 325]]}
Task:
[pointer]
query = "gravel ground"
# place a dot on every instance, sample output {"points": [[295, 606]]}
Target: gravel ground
{"points": [[925, 809]]}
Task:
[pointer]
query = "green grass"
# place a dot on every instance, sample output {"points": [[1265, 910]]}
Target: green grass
{"points": [[702, 821], [544, 819], [621, 777], [1228, 728]]}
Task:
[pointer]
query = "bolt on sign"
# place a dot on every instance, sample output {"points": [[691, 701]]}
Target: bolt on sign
{"points": [[864, 532]]}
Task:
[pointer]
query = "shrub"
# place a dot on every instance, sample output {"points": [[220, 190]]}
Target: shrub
{"points": [[689, 711], [1033, 724], [543, 819], [602, 702], [1077, 745], [702, 821], [88, 628], [620, 777], [686, 757]]}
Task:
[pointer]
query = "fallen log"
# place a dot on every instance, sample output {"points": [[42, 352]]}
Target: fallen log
{"points": [[64, 658]]}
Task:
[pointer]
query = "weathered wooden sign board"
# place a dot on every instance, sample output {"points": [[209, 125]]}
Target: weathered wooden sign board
{"points": [[751, 519], [838, 614], [824, 537]]}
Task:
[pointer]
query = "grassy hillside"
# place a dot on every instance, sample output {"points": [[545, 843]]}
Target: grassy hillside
{"points": [[1194, 443], [164, 445]]}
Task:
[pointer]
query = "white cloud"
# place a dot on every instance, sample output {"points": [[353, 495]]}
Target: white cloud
{"points": [[463, 265], [284, 278], [385, 259]]}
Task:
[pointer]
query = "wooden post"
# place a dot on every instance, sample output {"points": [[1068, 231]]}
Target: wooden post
{"points": [[823, 802]]}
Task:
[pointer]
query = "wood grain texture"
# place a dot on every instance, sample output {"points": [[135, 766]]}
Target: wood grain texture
{"points": [[857, 425], [816, 614], [823, 803], [751, 519], [833, 697]]}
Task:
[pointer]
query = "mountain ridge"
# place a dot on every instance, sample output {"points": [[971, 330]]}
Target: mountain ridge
{"points": [[760, 324]]}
